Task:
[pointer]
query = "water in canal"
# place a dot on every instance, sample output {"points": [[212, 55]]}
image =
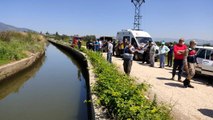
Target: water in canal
{"points": [[53, 89]]}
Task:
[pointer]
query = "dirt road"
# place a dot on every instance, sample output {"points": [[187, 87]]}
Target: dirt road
{"points": [[188, 103]]}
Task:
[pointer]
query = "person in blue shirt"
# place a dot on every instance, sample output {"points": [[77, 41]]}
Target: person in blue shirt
{"points": [[96, 45], [163, 51]]}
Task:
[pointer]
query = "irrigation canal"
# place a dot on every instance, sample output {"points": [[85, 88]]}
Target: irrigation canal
{"points": [[52, 89]]}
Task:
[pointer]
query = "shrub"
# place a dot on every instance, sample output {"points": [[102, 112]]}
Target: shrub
{"points": [[119, 94]]}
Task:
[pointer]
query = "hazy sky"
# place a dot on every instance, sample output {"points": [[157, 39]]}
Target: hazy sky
{"points": [[161, 18]]}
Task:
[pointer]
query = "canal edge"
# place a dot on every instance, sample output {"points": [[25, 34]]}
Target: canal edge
{"points": [[13, 68], [97, 112]]}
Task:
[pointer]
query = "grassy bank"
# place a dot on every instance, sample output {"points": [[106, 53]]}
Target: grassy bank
{"points": [[18, 45], [119, 94]]}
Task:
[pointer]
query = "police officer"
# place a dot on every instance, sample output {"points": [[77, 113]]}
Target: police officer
{"points": [[190, 66]]}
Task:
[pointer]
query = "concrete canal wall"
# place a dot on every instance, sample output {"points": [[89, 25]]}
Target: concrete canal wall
{"points": [[86, 71], [17, 66]]}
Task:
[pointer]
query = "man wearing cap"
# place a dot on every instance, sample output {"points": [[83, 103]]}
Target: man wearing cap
{"points": [[190, 64], [163, 51], [179, 54]]}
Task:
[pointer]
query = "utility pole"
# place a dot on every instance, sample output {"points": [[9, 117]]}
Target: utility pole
{"points": [[137, 4]]}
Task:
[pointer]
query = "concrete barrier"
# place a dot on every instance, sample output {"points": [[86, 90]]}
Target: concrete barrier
{"points": [[17, 66], [83, 63]]}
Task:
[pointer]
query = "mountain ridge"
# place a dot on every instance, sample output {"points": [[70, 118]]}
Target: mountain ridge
{"points": [[6, 27]]}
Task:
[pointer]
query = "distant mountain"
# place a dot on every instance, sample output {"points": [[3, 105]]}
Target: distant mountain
{"points": [[199, 41], [5, 27]]}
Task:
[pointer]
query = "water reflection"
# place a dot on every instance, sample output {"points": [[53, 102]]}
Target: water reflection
{"points": [[55, 91], [14, 83], [82, 69]]}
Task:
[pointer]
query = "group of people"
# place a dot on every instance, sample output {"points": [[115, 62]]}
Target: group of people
{"points": [[179, 55], [95, 45], [150, 54], [100, 45], [184, 58]]}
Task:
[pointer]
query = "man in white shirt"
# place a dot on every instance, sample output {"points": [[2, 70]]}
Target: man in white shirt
{"points": [[109, 51]]}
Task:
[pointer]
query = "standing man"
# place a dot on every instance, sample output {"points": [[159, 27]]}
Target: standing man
{"points": [[96, 45], [114, 44], [100, 45], [79, 44], [179, 53], [152, 54], [163, 51], [109, 51], [190, 62], [146, 57], [170, 55], [128, 57]]}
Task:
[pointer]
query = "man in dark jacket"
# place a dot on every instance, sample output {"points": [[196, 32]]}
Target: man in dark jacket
{"points": [[170, 55]]}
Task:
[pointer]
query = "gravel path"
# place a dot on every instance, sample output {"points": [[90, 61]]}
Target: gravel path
{"points": [[188, 103]]}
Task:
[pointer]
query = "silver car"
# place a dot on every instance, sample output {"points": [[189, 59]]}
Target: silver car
{"points": [[205, 61]]}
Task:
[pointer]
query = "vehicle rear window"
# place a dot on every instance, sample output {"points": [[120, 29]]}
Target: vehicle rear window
{"points": [[126, 38], [143, 39]]}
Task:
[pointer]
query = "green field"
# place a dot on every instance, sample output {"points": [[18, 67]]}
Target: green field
{"points": [[18, 45]]}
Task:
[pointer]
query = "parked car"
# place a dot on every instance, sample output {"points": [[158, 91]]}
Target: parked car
{"points": [[205, 61]]}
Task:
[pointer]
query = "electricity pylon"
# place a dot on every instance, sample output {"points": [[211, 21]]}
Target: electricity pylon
{"points": [[137, 17]]}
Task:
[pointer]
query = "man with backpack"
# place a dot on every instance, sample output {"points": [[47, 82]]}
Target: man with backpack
{"points": [[128, 58]]}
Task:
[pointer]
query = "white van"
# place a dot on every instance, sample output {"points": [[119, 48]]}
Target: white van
{"points": [[205, 61], [138, 39]]}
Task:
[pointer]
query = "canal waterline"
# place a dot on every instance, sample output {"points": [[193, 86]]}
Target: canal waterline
{"points": [[56, 91]]}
